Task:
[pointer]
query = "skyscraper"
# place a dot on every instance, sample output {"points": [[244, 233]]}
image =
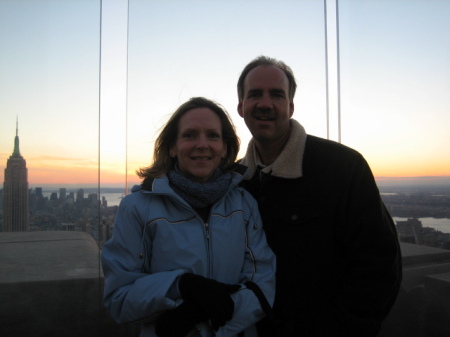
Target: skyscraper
{"points": [[15, 192], [62, 195]]}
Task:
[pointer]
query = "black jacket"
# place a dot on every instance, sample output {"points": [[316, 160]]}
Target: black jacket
{"points": [[338, 257]]}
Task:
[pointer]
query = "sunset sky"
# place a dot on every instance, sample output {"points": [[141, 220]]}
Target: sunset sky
{"points": [[394, 78]]}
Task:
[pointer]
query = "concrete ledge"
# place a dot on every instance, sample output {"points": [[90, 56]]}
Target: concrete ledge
{"points": [[45, 256], [51, 285], [415, 255], [439, 280], [421, 261], [422, 307]]}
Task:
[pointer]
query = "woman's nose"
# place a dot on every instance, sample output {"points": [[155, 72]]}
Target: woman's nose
{"points": [[202, 142]]}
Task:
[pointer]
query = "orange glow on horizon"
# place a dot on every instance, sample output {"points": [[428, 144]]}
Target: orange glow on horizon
{"points": [[91, 176], [410, 166], [78, 176], [74, 172], [411, 172]]}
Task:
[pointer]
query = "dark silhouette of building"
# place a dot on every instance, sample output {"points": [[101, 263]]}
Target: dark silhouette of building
{"points": [[410, 231], [80, 198], [62, 195], [15, 192]]}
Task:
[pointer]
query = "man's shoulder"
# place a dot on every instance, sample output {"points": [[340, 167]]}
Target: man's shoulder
{"points": [[319, 145], [324, 154]]}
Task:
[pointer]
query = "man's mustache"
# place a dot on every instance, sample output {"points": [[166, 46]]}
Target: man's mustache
{"points": [[266, 113]]}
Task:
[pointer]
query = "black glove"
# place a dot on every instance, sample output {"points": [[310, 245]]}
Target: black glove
{"points": [[211, 296], [179, 321]]}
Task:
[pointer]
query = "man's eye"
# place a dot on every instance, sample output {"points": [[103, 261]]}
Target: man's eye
{"points": [[214, 135], [278, 94]]}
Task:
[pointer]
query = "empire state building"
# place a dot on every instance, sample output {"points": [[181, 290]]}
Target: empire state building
{"points": [[15, 192]]}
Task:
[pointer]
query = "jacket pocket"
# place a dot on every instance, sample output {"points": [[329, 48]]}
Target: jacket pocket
{"points": [[295, 212]]}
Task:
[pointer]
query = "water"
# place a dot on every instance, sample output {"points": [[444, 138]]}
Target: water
{"points": [[440, 224], [112, 198]]}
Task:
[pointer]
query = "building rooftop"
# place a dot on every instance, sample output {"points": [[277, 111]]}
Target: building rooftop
{"points": [[62, 255]]}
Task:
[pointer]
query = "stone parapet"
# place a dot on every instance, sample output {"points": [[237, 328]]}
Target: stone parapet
{"points": [[51, 285]]}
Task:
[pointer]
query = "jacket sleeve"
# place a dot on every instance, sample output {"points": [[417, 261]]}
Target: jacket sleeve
{"points": [[259, 267], [130, 294], [369, 245]]}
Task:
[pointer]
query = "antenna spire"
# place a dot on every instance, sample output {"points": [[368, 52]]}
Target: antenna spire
{"points": [[16, 152]]}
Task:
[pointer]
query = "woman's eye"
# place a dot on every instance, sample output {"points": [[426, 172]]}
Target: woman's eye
{"points": [[188, 135], [214, 135]]}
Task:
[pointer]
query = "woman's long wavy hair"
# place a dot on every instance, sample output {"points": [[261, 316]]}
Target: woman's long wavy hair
{"points": [[163, 162]]}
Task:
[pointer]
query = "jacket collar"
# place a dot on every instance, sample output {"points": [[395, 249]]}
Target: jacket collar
{"points": [[289, 162]]}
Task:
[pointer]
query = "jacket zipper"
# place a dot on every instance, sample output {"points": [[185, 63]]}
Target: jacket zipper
{"points": [[208, 248], [206, 226], [207, 230], [207, 235]]}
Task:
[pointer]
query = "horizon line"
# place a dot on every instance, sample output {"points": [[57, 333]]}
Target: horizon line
{"points": [[119, 184]]}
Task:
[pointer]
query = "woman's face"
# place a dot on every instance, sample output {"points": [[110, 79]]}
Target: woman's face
{"points": [[199, 147]]}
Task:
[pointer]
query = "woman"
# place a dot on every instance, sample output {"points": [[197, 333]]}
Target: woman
{"points": [[188, 239]]}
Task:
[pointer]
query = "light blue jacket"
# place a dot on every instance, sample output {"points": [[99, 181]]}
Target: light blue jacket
{"points": [[158, 237]]}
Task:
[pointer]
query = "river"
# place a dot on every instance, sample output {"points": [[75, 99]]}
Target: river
{"points": [[440, 224]]}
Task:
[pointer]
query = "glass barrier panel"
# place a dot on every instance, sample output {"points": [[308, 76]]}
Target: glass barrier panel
{"points": [[394, 85], [49, 139]]}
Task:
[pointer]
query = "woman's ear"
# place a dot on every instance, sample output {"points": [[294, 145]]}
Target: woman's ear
{"points": [[225, 152], [172, 153]]}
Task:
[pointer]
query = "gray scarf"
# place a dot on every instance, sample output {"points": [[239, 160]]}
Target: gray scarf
{"points": [[200, 195]]}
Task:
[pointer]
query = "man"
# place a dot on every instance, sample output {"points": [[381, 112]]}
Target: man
{"points": [[338, 257]]}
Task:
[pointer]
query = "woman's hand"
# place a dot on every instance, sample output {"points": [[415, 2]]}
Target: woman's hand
{"points": [[179, 321], [211, 296]]}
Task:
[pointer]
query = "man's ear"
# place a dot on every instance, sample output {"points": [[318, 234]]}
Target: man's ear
{"points": [[239, 109], [291, 108]]}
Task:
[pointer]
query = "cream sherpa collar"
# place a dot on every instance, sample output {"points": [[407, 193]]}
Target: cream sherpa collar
{"points": [[289, 162]]}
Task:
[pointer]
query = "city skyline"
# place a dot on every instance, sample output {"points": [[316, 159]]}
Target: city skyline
{"points": [[76, 114]]}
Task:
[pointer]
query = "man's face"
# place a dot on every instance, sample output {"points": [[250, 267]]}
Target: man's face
{"points": [[266, 106]]}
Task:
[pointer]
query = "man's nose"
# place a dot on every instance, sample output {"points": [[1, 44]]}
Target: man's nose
{"points": [[265, 102]]}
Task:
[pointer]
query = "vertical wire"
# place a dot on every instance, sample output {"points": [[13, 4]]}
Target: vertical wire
{"points": [[99, 104], [98, 173], [126, 102], [326, 70], [338, 71]]}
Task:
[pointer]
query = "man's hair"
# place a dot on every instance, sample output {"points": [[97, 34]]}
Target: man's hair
{"points": [[163, 162], [267, 61]]}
